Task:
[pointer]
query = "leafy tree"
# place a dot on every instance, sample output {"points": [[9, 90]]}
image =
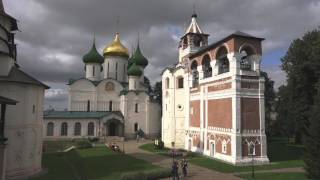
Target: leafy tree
{"points": [[312, 141], [302, 65], [157, 91], [269, 96]]}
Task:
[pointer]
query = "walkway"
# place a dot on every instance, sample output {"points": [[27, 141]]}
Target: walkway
{"points": [[194, 171]]}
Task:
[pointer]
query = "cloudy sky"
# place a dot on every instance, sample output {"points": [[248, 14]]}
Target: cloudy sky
{"points": [[55, 34]]}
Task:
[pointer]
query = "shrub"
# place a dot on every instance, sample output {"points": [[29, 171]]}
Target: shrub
{"points": [[83, 144], [146, 175]]}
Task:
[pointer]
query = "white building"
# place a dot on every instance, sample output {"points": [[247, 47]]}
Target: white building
{"points": [[21, 141], [111, 101], [213, 98]]}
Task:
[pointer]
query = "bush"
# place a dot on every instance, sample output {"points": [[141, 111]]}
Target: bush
{"points": [[93, 139], [146, 175], [83, 144]]}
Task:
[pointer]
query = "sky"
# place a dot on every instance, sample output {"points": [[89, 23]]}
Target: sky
{"points": [[55, 34]]}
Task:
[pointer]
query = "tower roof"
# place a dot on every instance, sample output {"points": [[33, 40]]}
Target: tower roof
{"points": [[93, 56], [116, 48], [194, 27], [134, 70], [138, 58]]}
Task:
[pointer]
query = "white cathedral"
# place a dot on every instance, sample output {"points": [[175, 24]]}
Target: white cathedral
{"points": [[112, 101]]}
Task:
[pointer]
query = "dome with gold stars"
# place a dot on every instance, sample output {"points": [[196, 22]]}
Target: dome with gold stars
{"points": [[116, 48]]}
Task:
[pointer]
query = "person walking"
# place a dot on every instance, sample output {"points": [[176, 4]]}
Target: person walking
{"points": [[175, 170], [184, 166]]}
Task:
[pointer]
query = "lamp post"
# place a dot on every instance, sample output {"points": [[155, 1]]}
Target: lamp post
{"points": [[252, 165]]}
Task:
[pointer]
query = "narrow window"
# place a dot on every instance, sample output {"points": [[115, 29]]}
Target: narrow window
{"points": [[50, 128], [136, 108], [124, 72], [224, 147], [180, 82], [90, 129], [167, 83], [88, 105], [110, 105], [93, 69], [33, 109], [136, 127], [116, 71], [108, 70], [64, 129], [77, 129], [251, 151]]}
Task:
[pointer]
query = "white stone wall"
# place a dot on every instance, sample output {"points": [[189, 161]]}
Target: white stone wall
{"points": [[117, 68], [93, 71], [71, 123], [83, 90], [174, 108], [23, 128]]}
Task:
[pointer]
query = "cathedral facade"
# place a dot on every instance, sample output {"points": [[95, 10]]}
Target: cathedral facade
{"points": [[111, 101], [213, 98]]}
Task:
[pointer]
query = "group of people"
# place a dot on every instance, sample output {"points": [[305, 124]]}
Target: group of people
{"points": [[175, 168], [114, 147]]}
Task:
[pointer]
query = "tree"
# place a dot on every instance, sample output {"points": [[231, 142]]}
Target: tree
{"points": [[269, 96], [302, 64], [312, 141], [157, 91]]}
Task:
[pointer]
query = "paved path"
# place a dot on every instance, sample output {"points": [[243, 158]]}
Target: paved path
{"points": [[194, 171]]}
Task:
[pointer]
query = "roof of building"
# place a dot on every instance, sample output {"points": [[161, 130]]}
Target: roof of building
{"points": [[79, 114], [4, 100], [96, 83], [194, 27], [217, 43], [116, 48], [14, 25], [138, 58], [17, 75], [93, 56], [134, 70]]}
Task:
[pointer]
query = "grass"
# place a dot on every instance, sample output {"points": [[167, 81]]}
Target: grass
{"points": [[275, 176], [150, 147], [55, 146], [281, 153], [93, 163]]}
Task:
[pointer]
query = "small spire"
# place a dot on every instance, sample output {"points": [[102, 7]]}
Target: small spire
{"points": [[194, 14], [117, 23], [94, 38]]}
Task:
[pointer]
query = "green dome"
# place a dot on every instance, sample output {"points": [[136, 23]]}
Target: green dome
{"points": [[134, 70], [138, 58], [93, 56]]}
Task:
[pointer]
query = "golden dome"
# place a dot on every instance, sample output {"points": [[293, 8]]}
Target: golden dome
{"points": [[116, 48]]}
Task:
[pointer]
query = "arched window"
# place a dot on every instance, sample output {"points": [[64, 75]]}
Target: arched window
{"points": [[222, 60], [93, 70], [136, 107], [64, 129], [195, 74], [109, 86], [77, 129], [110, 105], [245, 62], [251, 150], [180, 82], [136, 126], [88, 105], [50, 129], [224, 146], [167, 83], [206, 67], [90, 129]]}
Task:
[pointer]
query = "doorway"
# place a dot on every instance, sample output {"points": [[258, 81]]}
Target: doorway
{"points": [[112, 129], [212, 149]]}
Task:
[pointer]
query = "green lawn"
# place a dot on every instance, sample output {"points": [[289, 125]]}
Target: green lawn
{"points": [[282, 154], [93, 163], [275, 176]]}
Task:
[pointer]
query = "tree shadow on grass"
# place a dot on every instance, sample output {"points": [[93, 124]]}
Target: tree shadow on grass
{"points": [[107, 166], [283, 150]]}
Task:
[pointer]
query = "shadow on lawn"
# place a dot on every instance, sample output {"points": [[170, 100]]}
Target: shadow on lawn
{"points": [[109, 165], [283, 150]]}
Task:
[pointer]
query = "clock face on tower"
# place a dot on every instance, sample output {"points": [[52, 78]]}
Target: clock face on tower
{"points": [[109, 86]]}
